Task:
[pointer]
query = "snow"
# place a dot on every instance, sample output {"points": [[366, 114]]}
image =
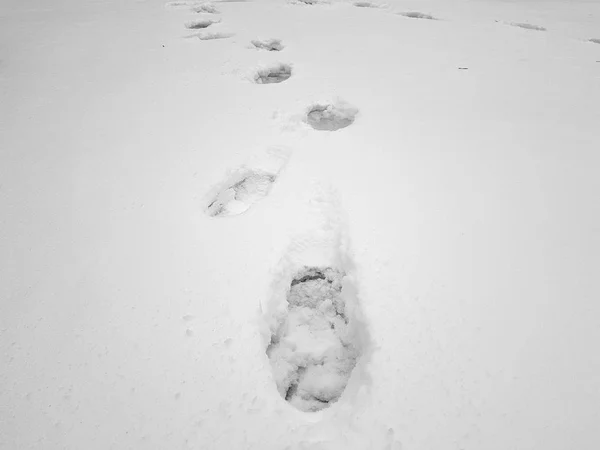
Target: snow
{"points": [[461, 205]]}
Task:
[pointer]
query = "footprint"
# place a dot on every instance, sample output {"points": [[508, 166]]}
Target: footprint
{"points": [[595, 41], [331, 117], [200, 24], [180, 4], [247, 185], [271, 45], [317, 336], [207, 8], [273, 74], [312, 353], [528, 26], [308, 2], [417, 15], [214, 36], [365, 5]]}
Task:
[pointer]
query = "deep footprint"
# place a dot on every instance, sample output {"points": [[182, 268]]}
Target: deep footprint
{"points": [[270, 45], [246, 186], [528, 26], [417, 15], [331, 117], [275, 74], [595, 41], [312, 352]]}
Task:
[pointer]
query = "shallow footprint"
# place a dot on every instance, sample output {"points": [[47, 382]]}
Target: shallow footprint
{"points": [[307, 2], [207, 8], [417, 15], [200, 24], [528, 26], [214, 36], [270, 45], [246, 185], [365, 5], [180, 4], [331, 117]]}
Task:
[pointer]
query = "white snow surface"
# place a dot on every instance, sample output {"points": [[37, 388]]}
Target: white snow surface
{"points": [[462, 201]]}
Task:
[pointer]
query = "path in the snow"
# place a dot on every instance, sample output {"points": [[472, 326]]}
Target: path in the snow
{"points": [[312, 348]]}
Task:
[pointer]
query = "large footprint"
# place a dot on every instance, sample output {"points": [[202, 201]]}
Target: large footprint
{"points": [[246, 185], [317, 335]]}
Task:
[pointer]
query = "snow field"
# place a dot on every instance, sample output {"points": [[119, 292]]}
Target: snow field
{"points": [[155, 277]]}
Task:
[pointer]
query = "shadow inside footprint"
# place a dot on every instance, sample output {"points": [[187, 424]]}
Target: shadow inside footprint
{"points": [[275, 74], [199, 24], [528, 26], [270, 45], [417, 15], [330, 117], [313, 351]]}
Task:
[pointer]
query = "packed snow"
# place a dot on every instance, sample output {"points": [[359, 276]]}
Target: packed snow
{"points": [[301, 225]]}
